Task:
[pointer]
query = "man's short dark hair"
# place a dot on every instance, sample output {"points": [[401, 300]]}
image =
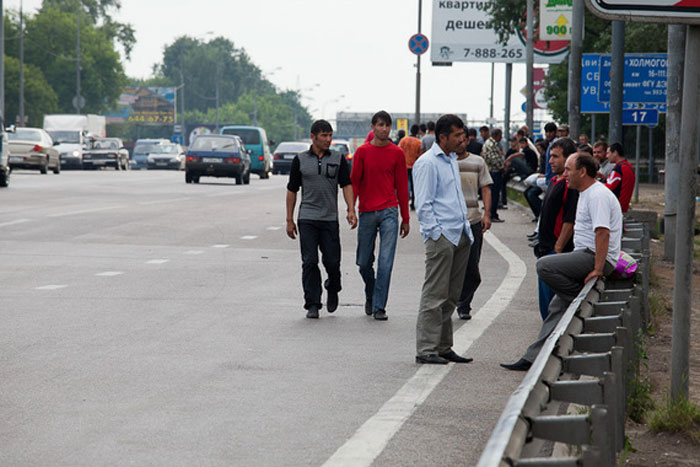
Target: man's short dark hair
{"points": [[445, 123], [431, 125], [549, 127], [484, 128], [601, 144], [589, 162], [321, 126], [567, 146], [423, 128], [382, 115], [497, 132], [543, 144], [402, 133], [587, 148], [617, 147], [521, 134], [414, 129], [471, 132]]}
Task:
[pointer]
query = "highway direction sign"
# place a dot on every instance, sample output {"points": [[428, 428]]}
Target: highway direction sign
{"points": [[644, 81], [656, 11], [640, 117]]}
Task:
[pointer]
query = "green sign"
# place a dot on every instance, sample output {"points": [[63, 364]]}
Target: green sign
{"points": [[555, 20]]}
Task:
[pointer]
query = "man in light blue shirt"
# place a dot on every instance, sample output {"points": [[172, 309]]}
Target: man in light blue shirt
{"points": [[444, 225]]}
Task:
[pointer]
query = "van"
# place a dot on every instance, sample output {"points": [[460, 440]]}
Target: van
{"points": [[255, 140]]}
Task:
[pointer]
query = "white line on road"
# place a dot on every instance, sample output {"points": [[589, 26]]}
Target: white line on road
{"points": [[249, 237], [157, 261], [193, 252], [15, 222], [373, 436], [109, 273], [220, 246], [51, 287], [84, 211], [274, 227], [161, 201]]}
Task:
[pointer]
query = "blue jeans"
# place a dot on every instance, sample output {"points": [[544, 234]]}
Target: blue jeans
{"points": [[545, 294], [386, 223]]}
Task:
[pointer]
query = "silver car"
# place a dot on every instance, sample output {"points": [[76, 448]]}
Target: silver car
{"points": [[33, 148], [106, 152], [166, 156]]}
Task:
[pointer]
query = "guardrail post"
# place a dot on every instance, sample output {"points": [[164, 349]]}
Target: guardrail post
{"points": [[600, 436], [620, 395]]}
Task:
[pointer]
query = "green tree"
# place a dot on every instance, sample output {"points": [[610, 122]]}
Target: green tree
{"points": [[39, 97]]}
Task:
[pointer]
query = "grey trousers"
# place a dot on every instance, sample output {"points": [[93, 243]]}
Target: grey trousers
{"points": [[565, 274], [445, 265]]}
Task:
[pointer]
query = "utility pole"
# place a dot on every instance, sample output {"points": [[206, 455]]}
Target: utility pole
{"points": [[530, 60], [2, 65], [77, 69], [493, 66], [509, 86], [417, 116], [576, 48], [617, 72], [674, 75], [21, 65], [683, 273]]}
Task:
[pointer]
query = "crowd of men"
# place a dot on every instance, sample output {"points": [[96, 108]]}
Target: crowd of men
{"points": [[577, 193]]}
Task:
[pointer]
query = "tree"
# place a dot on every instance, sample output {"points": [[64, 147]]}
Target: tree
{"points": [[39, 97]]}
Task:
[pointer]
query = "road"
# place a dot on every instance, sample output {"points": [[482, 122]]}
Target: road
{"points": [[147, 321]]}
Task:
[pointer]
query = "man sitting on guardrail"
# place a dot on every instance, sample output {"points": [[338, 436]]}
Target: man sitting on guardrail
{"points": [[597, 238]]}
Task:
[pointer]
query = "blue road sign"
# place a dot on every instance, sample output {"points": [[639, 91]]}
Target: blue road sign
{"points": [[644, 81], [418, 44], [640, 117], [590, 76]]}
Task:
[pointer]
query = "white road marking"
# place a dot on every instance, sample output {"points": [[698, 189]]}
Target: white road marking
{"points": [[249, 237], [15, 222], [51, 287], [84, 211], [274, 227], [220, 246], [157, 261], [161, 201], [373, 436], [109, 273], [193, 252]]}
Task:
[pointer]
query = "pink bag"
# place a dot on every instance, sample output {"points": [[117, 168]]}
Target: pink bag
{"points": [[626, 266]]}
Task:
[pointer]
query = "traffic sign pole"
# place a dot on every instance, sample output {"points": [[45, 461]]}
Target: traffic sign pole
{"points": [[576, 48], [616, 81]]}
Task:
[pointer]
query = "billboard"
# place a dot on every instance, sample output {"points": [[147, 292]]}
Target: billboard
{"points": [[145, 105], [462, 32], [655, 11]]}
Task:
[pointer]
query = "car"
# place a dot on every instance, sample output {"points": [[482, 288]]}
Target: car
{"points": [[217, 156], [343, 147], [255, 139], [166, 156], [285, 154], [106, 152], [4, 158], [142, 148], [34, 149]]}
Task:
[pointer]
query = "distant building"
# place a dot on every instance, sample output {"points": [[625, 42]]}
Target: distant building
{"points": [[356, 125]]}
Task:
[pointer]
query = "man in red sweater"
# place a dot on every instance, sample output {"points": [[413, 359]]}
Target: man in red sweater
{"points": [[380, 181], [621, 180]]}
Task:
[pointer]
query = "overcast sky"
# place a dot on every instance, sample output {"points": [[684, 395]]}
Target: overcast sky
{"points": [[355, 50]]}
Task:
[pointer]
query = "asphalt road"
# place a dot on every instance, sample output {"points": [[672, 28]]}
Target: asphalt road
{"points": [[146, 321]]}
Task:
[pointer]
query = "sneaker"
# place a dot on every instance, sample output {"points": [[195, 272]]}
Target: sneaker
{"points": [[380, 315], [312, 312], [464, 314], [332, 303], [496, 220], [368, 307]]}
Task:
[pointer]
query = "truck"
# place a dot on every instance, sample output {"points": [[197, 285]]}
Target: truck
{"points": [[70, 133]]}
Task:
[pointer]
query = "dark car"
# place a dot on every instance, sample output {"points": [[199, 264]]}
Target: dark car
{"points": [[285, 154], [106, 152], [217, 156]]}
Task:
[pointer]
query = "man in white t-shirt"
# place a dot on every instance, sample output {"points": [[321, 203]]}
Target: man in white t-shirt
{"points": [[597, 238]]}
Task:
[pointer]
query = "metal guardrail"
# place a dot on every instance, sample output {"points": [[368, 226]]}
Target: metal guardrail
{"points": [[588, 360]]}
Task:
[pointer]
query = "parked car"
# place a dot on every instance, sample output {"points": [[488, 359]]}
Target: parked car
{"points": [[106, 152], [142, 148], [254, 139], [166, 156], [285, 154], [217, 156], [4, 158], [33, 148]]}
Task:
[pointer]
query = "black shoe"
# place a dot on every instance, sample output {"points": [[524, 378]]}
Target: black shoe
{"points": [[503, 206], [532, 235], [380, 315], [497, 220], [312, 312], [432, 358], [368, 307], [332, 303], [533, 243], [464, 314], [520, 365], [453, 357]]}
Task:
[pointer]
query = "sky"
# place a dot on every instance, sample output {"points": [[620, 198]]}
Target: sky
{"points": [[343, 55]]}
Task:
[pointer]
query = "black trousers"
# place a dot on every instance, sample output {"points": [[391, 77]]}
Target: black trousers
{"points": [[315, 236], [472, 278]]}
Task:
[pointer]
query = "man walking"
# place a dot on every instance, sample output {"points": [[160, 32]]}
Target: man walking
{"points": [[318, 172], [444, 226], [429, 138], [475, 177], [621, 180], [380, 181], [597, 237], [493, 156], [411, 148]]}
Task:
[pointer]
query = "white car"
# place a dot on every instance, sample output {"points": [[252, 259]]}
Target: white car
{"points": [[166, 156]]}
